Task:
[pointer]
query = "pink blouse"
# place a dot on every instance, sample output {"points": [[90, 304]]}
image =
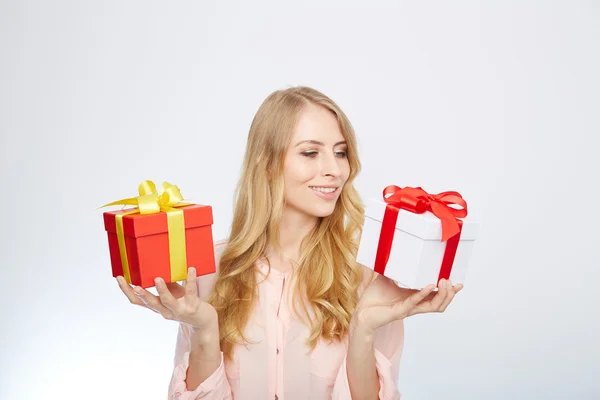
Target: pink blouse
{"points": [[280, 365]]}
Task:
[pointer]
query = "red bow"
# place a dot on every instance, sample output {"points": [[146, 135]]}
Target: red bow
{"points": [[417, 201]]}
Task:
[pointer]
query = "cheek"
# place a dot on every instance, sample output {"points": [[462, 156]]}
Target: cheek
{"points": [[300, 173], [346, 171]]}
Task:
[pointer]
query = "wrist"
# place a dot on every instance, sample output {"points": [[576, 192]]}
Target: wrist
{"points": [[205, 335], [359, 328]]}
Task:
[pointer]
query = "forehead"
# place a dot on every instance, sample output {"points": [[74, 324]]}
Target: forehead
{"points": [[317, 123]]}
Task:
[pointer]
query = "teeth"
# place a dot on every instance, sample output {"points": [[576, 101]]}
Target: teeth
{"points": [[323, 190]]}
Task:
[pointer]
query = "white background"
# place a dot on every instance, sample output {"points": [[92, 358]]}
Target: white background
{"points": [[498, 100]]}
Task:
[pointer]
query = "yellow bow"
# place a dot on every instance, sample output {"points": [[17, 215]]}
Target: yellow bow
{"points": [[150, 201]]}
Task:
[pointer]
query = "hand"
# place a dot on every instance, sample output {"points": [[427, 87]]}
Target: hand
{"points": [[174, 302], [383, 301]]}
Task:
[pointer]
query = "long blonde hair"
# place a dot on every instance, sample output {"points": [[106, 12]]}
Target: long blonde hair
{"points": [[328, 275]]}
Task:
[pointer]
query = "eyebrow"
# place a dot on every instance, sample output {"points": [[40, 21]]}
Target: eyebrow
{"points": [[318, 143]]}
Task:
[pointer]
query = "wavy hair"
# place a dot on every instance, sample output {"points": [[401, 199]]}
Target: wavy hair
{"points": [[328, 274]]}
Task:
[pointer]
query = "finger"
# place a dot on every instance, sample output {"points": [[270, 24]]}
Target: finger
{"points": [[164, 295], [153, 302], [144, 296], [191, 285], [438, 300], [429, 297], [128, 291], [404, 308], [399, 293], [449, 296]]}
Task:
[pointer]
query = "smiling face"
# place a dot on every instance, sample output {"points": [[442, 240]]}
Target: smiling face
{"points": [[316, 165]]}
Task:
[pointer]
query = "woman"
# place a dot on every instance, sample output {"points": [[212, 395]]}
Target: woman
{"points": [[290, 314]]}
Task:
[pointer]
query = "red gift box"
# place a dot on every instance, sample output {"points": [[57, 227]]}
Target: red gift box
{"points": [[161, 237], [147, 244]]}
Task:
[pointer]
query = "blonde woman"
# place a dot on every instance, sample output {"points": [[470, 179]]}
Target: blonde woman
{"points": [[290, 314]]}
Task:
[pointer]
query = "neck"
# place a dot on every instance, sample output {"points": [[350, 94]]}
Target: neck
{"points": [[294, 227]]}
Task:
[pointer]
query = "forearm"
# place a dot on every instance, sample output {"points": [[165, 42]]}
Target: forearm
{"points": [[205, 356], [360, 364]]}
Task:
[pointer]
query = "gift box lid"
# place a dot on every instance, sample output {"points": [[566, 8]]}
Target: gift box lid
{"points": [[425, 226], [137, 225]]}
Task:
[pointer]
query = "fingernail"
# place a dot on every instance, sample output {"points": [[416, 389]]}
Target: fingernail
{"points": [[158, 282]]}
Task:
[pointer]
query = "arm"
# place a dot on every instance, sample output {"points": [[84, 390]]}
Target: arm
{"points": [[199, 371], [382, 307], [205, 357], [363, 380], [199, 366], [371, 367]]}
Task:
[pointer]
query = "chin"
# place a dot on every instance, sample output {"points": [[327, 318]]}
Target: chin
{"points": [[321, 212], [310, 207]]}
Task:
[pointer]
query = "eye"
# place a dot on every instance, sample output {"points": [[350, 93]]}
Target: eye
{"points": [[311, 154], [341, 154]]}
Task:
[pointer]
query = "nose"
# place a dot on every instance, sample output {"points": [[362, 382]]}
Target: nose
{"points": [[330, 166]]}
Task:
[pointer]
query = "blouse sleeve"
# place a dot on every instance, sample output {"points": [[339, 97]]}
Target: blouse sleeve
{"points": [[388, 341], [215, 386]]}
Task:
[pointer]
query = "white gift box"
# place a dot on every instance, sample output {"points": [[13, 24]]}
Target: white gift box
{"points": [[417, 250]]}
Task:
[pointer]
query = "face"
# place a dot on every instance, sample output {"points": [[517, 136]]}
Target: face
{"points": [[316, 164]]}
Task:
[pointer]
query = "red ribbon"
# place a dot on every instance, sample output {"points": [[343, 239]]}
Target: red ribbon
{"points": [[418, 201]]}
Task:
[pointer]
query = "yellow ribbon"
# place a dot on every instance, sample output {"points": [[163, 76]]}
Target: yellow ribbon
{"points": [[150, 201]]}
